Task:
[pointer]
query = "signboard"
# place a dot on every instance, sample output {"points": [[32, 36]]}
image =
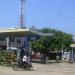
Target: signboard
{"points": [[72, 45]]}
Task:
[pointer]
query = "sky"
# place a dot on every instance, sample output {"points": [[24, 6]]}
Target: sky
{"points": [[56, 14]]}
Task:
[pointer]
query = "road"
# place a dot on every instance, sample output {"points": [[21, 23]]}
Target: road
{"points": [[41, 69]]}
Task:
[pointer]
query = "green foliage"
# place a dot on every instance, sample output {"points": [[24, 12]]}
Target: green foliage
{"points": [[4, 56], [54, 42]]}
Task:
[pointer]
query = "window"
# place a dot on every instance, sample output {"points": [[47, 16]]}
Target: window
{"points": [[2, 38], [12, 39], [18, 40]]}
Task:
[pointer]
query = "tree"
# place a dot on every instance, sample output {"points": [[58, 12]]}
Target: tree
{"points": [[41, 45], [53, 43], [59, 39]]}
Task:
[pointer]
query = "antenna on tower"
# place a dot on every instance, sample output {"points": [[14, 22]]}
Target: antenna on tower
{"points": [[22, 25]]}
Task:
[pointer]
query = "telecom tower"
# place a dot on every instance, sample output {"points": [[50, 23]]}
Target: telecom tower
{"points": [[22, 25]]}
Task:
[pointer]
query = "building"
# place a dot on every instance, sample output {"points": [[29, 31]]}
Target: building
{"points": [[17, 37]]}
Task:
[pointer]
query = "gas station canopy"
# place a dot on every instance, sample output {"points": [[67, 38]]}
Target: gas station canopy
{"points": [[21, 32]]}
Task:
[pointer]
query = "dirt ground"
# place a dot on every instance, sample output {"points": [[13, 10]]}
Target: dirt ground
{"points": [[42, 69]]}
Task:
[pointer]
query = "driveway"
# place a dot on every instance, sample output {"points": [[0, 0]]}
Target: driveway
{"points": [[42, 69]]}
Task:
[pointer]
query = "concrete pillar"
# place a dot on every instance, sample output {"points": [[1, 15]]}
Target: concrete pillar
{"points": [[72, 56], [7, 39], [16, 45], [18, 54]]}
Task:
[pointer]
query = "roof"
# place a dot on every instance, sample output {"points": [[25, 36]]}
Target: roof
{"points": [[22, 32]]}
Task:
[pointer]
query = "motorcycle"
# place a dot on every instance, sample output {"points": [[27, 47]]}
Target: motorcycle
{"points": [[20, 65]]}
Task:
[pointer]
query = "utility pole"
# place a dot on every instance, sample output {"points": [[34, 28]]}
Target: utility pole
{"points": [[22, 25]]}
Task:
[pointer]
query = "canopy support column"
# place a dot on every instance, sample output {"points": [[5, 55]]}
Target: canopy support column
{"points": [[8, 47]]}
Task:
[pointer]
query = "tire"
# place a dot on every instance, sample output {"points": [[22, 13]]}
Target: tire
{"points": [[25, 67], [29, 67], [15, 67]]}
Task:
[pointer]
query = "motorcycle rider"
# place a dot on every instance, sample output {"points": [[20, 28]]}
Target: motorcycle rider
{"points": [[25, 59]]}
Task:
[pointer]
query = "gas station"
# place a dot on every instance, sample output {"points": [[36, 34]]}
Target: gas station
{"points": [[19, 38]]}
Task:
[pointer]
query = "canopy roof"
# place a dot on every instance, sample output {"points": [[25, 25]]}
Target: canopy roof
{"points": [[21, 32]]}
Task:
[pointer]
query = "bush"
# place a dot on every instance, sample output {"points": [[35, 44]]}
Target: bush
{"points": [[4, 56]]}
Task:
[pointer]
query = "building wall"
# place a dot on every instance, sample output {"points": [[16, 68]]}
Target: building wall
{"points": [[22, 42]]}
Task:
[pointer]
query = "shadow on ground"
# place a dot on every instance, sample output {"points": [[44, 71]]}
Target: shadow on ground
{"points": [[39, 61]]}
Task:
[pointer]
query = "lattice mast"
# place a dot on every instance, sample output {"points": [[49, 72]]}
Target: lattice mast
{"points": [[22, 24]]}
